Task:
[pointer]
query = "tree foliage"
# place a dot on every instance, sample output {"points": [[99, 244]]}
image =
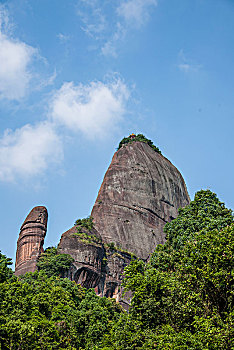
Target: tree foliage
{"points": [[204, 212], [5, 271], [86, 223], [53, 263], [41, 312], [183, 297], [140, 138]]}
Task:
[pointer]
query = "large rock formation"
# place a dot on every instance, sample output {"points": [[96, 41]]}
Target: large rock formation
{"points": [[31, 240], [140, 193]]}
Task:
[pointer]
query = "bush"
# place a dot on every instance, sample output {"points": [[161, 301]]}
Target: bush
{"points": [[140, 138], [54, 263], [86, 223]]}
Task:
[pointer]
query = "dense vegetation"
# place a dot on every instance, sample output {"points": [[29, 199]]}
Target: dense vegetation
{"points": [[41, 312], [86, 223], [138, 137], [85, 231], [5, 272], [182, 298], [53, 263]]}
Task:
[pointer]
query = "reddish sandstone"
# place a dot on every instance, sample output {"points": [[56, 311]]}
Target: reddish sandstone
{"points": [[140, 193], [31, 240]]}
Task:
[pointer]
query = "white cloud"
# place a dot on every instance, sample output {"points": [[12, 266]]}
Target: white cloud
{"points": [[5, 25], [92, 16], [63, 38], [109, 48], [187, 65], [19, 73], [136, 12], [109, 21], [28, 151], [93, 109], [15, 60]]}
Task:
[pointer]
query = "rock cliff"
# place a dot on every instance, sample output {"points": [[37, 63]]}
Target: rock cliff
{"points": [[31, 240], [140, 193], [96, 264]]}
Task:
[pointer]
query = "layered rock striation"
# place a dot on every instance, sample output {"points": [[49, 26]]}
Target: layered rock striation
{"points": [[140, 193], [31, 240], [87, 251], [96, 264]]}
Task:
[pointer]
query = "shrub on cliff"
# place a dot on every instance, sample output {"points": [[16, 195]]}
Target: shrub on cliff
{"points": [[140, 138], [53, 263], [86, 223]]}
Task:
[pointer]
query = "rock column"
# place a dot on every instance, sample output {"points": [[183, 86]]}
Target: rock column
{"points": [[31, 240]]}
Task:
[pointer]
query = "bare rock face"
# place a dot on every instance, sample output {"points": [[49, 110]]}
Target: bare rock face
{"points": [[116, 261], [96, 265], [31, 240], [87, 251], [140, 193]]}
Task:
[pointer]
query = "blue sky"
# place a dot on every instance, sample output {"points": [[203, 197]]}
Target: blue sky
{"points": [[77, 76]]}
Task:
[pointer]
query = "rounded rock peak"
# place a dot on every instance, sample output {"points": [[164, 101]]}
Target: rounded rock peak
{"points": [[141, 191], [38, 214]]}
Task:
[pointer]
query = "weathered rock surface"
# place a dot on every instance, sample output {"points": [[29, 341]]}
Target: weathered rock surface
{"points": [[31, 240], [87, 251], [140, 193], [116, 261], [96, 265]]}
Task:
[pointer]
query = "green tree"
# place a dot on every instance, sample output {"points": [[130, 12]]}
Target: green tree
{"points": [[41, 312], [54, 263], [204, 212], [86, 223], [5, 271], [183, 297]]}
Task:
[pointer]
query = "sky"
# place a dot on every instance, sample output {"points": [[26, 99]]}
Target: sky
{"points": [[76, 76]]}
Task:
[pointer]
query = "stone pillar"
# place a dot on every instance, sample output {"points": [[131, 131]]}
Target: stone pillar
{"points": [[31, 240]]}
